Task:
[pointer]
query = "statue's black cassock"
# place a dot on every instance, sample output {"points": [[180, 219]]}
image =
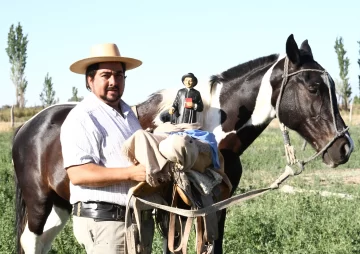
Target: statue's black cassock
{"points": [[187, 115]]}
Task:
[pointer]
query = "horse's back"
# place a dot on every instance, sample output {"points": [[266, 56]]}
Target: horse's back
{"points": [[36, 151]]}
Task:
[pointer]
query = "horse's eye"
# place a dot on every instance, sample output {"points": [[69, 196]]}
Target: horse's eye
{"points": [[313, 88]]}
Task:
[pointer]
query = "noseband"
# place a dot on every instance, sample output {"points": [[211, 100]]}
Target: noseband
{"points": [[290, 155]]}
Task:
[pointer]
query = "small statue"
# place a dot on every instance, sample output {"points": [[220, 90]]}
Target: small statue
{"points": [[188, 101]]}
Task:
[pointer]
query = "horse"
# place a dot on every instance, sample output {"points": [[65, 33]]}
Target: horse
{"points": [[239, 103]]}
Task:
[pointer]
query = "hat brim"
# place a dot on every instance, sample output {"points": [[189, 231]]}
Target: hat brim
{"points": [[81, 65]]}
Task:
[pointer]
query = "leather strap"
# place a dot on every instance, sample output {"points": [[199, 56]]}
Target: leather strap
{"points": [[185, 230], [101, 211]]}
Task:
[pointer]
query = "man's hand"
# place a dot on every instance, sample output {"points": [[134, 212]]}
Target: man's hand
{"points": [[138, 173], [188, 104]]}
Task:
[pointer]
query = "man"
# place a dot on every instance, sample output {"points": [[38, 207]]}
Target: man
{"points": [[188, 101], [91, 137]]}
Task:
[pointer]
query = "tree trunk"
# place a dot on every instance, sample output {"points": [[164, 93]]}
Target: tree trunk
{"points": [[12, 116], [21, 100], [345, 103], [17, 95]]}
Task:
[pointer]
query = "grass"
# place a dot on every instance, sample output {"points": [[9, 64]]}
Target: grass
{"points": [[262, 171], [20, 114], [273, 223], [6, 126]]}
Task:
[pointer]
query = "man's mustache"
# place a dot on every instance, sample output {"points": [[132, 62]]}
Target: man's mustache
{"points": [[112, 89]]}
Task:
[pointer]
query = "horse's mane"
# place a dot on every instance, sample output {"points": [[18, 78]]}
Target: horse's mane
{"points": [[167, 96], [244, 68]]}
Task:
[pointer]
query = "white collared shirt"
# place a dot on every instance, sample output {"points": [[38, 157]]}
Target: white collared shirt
{"points": [[94, 132]]}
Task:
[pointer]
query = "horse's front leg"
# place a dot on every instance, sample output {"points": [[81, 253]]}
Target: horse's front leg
{"points": [[233, 170]]}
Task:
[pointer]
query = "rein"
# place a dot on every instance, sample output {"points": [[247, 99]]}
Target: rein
{"points": [[289, 150]]}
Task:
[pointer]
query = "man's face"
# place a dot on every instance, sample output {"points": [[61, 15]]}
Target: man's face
{"points": [[188, 82], [108, 83]]}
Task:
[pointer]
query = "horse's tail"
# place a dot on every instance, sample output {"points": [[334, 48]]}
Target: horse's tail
{"points": [[20, 208], [21, 217]]}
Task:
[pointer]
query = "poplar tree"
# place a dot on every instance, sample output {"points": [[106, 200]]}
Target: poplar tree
{"points": [[359, 67], [47, 96], [75, 96], [17, 52], [344, 86]]}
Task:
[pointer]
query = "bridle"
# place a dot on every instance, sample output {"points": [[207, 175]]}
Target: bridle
{"points": [[289, 151]]}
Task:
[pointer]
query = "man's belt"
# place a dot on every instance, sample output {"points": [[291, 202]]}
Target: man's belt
{"points": [[102, 211]]}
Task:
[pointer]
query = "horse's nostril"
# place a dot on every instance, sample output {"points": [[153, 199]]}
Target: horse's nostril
{"points": [[345, 149]]}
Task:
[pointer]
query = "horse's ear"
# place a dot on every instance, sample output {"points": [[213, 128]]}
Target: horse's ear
{"points": [[305, 48], [292, 50]]}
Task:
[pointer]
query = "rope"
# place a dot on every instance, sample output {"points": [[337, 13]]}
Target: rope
{"points": [[224, 203], [289, 149]]}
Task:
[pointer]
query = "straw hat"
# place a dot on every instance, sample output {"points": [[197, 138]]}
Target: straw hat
{"points": [[107, 52]]}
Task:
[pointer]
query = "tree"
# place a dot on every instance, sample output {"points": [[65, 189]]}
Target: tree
{"points": [[75, 95], [16, 50], [359, 67], [356, 100], [47, 96], [344, 86]]}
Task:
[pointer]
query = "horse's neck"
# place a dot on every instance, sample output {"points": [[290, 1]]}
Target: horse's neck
{"points": [[242, 114], [224, 105]]}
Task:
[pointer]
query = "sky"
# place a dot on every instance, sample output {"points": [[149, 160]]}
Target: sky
{"points": [[171, 38]]}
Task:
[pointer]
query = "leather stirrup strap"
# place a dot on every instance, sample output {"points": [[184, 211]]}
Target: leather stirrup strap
{"points": [[171, 233], [186, 234], [199, 235], [184, 231]]}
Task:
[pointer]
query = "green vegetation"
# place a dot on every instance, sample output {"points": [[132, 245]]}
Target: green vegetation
{"points": [[47, 96], [17, 52], [344, 87], [20, 114], [273, 223]]}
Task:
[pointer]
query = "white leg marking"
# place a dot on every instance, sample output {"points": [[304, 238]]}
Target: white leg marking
{"points": [[34, 244], [54, 224], [264, 112], [30, 242]]}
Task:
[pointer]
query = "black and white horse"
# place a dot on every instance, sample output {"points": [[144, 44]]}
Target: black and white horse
{"points": [[239, 103]]}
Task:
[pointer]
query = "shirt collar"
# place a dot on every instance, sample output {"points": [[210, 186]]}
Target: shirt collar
{"points": [[124, 107]]}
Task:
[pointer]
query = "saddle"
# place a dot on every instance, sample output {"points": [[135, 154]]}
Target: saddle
{"points": [[206, 226], [179, 227], [182, 162]]}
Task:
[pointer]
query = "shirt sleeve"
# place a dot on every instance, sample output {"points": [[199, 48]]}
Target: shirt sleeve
{"points": [[79, 145]]}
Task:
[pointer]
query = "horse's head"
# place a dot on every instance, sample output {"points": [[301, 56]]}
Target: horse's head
{"points": [[307, 103]]}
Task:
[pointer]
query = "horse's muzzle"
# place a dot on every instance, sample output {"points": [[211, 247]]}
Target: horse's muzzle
{"points": [[339, 152]]}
